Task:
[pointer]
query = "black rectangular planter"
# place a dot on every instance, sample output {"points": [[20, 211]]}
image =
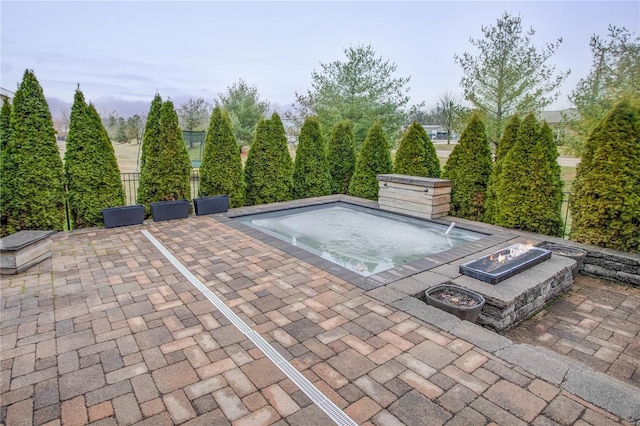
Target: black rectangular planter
{"points": [[211, 205], [168, 210], [123, 216]]}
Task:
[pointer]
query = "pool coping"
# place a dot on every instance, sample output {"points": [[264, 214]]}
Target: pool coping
{"points": [[492, 238]]}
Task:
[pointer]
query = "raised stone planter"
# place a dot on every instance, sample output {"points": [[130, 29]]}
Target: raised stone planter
{"points": [[428, 198], [24, 249]]}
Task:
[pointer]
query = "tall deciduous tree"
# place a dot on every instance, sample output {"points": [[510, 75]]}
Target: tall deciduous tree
{"points": [[166, 168], [268, 171], [410, 157], [311, 176], [221, 168], [506, 143], [509, 74], [615, 73], [374, 158], [362, 89], [450, 113], [194, 115], [469, 167], [135, 127], [32, 174], [91, 168], [245, 108], [341, 157], [605, 201]]}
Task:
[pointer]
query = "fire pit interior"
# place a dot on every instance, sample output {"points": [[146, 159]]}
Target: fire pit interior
{"points": [[505, 263]]}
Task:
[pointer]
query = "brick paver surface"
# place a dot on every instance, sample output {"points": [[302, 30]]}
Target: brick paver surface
{"points": [[108, 331], [596, 323]]}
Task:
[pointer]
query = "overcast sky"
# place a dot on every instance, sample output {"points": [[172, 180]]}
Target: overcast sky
{"points": [[130, 50]]}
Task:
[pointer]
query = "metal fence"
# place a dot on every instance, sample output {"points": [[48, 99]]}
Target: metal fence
{"points": [[130, 181]]}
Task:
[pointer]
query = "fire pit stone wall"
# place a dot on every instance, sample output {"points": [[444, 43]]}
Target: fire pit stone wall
{"points": [[513, 300]]}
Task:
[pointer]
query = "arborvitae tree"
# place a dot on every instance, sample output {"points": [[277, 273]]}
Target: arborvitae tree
{"points": [[284, 163], [410, 157], [167, 166], [221, 168], [5, 131], [515, 184], [545, 187], [605, 201], [431, 161], [506, 143], [91, 168], [269, 170], [5, 123], [469, 167], [32, 167], [373, 159], [150, 144], [341, 157], [311, 176]]}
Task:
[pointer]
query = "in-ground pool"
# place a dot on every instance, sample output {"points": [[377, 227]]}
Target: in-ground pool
{"points": [[363, 240]]}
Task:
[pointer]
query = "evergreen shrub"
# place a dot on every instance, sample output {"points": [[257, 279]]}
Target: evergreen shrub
{"points": [[374, 158], [311, 176], [469, 167], [341, 157]]}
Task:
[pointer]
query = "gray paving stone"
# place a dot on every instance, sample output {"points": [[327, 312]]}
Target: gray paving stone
{"points": [[386, 294], [434, 316], [303, 416], [153, 337], [46, 393], [303, 329], [126, 409], [374, 322], [535, 362], [108, 392], [467, 417], [605, 392], [413, 409], [481, 337], [351, 364], [81, 381], [564, 410], [433, 354], [73, 341]]}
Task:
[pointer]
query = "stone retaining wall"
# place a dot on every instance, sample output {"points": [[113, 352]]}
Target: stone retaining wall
{"points": [[621, 267]]}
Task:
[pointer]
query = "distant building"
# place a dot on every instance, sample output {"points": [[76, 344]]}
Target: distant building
{"points": [[435, 131], [556, 120], [6, 94]]}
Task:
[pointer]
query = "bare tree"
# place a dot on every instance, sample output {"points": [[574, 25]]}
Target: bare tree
{"points": [[449, 113]]}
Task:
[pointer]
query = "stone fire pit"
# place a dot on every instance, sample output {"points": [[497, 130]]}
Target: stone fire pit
{"points": [[496, 267], [514, 299]]}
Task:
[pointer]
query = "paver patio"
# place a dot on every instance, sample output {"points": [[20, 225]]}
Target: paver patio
{"points": [[109, 332], [597, 323]]}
